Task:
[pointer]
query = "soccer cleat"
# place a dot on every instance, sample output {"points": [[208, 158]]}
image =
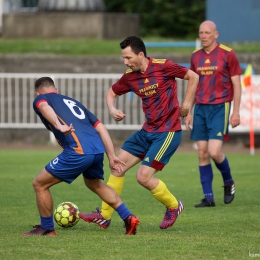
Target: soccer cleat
{"points": [[95, 217], [229, 193], [205, 203], [171, 216], [39, 231], [131, 224]]}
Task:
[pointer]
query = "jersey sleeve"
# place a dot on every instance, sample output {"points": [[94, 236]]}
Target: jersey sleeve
{"points": [[234, 66], [175, 70], [121, 86], [192, 67], [38, 100]]}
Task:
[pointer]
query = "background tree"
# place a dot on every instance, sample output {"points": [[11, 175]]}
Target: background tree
{"points": [[165, 18]]}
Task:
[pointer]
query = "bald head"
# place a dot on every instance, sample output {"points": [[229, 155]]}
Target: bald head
{"points": [[209, 24], [208, 35]]}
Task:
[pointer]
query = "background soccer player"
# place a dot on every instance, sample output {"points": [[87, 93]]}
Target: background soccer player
{"points": [[83, 138], [153, 80], [219, 83]]}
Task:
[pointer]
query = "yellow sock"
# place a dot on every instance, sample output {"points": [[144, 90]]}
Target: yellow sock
{"points": [[117, 184], [162, 194]]}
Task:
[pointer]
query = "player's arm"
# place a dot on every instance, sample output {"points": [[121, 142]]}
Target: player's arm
{"points": [[235, 117], [188, 102], [114, 162], [189, 118], [118, 115], [49, 114]]}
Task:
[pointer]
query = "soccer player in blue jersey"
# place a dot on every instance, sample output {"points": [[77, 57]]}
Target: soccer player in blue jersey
{"points": [[219, 83], [84, 140], [153, 80]]}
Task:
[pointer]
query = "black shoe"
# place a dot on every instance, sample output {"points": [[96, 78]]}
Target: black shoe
{"points": [[205, 203], [229, 193]]}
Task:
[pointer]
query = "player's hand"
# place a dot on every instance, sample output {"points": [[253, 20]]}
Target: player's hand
{"points": [[117, 165], [118, 115], [183, 111], [188, 122], [235, 120], [65, 129]]}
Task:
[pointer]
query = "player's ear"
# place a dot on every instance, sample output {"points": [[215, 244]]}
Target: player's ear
{"points": [[141, 54], [37, 93], [216, 34], [56, 90]]}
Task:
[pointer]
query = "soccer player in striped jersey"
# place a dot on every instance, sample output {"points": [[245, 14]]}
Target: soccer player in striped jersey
{"points": [[153, 80], [219, 83], [84, 140]]}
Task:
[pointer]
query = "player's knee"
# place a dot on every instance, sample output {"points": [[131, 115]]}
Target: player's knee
{"points": [[143, 179], [36, 185], [203, 154]]}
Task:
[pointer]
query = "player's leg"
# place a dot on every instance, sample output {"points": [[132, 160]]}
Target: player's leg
{"points": [[219, 128], [163, 146], [221, 162], [200, 133], [66, 167], [116, 180], [41, 184], [206, 175], [108, 195]]}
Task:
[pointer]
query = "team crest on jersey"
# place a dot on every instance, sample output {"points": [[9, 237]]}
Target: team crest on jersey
{"points": [[146, 80], [207, 61]]}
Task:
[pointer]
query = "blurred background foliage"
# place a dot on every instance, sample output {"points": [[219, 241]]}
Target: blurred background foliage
{"points": [[179, 19]]}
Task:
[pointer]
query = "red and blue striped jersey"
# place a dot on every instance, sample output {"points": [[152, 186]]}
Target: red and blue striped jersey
{"points": [[215, 70], [157, 88], [85, 139]]}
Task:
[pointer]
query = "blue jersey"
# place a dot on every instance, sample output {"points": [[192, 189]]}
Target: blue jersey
{"points": [[85, 139]]}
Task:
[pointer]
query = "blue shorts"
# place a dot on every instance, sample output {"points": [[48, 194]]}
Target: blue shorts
{"points": [[154, 149], [210, 122], [68, 165]]}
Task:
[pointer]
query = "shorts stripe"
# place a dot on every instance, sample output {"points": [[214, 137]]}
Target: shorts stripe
{"points": [[227, 107], [164, 147]]}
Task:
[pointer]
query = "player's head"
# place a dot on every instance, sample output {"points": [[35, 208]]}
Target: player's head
{"points": [[44, 85], [135, 43], [208, 34], [133, 52]]}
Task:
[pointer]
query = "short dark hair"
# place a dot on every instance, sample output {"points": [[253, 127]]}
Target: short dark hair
{"points": [[136, 44], [43, 82]]}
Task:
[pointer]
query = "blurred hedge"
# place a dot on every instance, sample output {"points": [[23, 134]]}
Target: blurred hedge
{"points": [[164, 18]]}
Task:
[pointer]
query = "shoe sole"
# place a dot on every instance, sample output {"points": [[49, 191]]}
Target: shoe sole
{"points": [[134, 225], [228, 202], [52, 234], [94, 222]]}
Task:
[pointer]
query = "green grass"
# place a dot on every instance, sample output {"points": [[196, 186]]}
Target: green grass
{"points": [[224, 232], [96, 47]]}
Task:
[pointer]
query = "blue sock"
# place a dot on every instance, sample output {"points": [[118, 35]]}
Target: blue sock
{"points": [[225, 171], [206, 178], [123, 211], [47, 222]]}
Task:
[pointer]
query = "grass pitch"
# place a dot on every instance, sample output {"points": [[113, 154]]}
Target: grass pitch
{"points": [[224, 232]]}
